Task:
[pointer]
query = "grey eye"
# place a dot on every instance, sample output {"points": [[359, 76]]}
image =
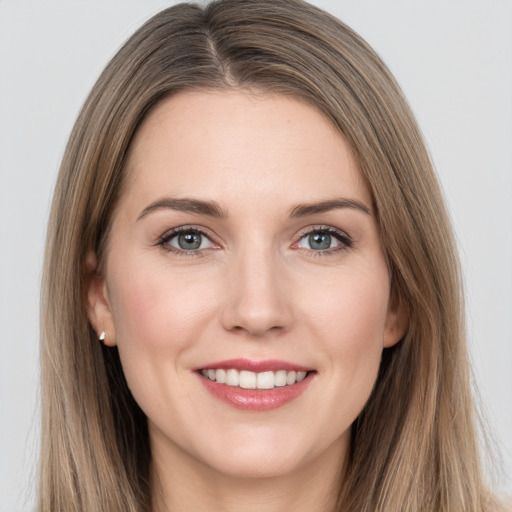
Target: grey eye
{"points": [[190, 241], [318, 241]]}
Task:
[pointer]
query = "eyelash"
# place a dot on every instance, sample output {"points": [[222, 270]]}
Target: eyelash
{"points": [[345, 242], [164, 240]]}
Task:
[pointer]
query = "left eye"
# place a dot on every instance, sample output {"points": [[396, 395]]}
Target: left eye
{"points": [[319, 241], [189, 241]]}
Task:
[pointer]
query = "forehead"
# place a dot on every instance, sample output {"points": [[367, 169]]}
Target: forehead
{"points": [[232, 144]]}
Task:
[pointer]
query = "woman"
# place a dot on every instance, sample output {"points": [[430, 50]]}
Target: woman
{"points": [[247, 219]]}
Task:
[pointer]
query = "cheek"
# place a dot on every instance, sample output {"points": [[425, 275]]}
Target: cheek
{"points": [[157, 321], [156, 311], [353, 308], [350, 320]]}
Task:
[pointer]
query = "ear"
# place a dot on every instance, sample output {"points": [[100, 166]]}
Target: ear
{"points": [[397, 321], [98, 304]]}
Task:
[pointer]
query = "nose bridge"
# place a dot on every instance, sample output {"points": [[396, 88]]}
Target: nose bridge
{"points": [[256, 298]]}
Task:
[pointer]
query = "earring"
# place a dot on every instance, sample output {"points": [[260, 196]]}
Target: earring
{"points": [[102, 336]]}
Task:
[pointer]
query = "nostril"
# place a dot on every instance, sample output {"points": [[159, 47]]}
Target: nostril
{"points": [[255, 302], [242, 318]]}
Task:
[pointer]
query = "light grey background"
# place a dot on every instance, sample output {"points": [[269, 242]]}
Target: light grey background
{"points": [[454, 62]]}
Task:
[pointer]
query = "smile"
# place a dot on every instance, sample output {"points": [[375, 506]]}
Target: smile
{"points": [[255, 385], [251, 380]]}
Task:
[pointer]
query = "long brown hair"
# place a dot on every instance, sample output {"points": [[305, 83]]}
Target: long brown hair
{"points": [[414, 445]]}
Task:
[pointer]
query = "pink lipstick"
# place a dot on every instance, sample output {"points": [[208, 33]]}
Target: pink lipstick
{"points": [[255, 385]]}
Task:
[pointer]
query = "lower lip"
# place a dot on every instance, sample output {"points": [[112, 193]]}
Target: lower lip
{"points": [[256, 399]]}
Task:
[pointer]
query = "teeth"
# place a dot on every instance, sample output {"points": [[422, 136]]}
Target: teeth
{"points": [[291, 377], [247, 380], [252, 380], [232, 378], [265, 380], [280, 378], [301, 376]]}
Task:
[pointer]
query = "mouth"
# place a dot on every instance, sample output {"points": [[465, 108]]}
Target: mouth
{"points": [[246, 379], [255, 386]]}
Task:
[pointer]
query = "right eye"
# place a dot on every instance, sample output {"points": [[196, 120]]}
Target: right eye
{"points": [[186, 240]]}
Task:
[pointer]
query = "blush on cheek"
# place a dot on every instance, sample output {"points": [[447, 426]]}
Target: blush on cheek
{"points": [[136, 312], [354, 341], [160, 312]]}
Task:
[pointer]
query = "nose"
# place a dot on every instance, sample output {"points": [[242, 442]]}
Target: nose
{"points": [[258, 296]]}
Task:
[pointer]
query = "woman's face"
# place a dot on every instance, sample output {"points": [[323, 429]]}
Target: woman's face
{"points": [[244, 249]]}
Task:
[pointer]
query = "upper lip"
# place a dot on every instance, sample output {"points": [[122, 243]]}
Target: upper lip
{"points": [[267, 365]]}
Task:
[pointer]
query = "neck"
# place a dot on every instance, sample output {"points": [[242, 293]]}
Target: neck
{"points": [[183, 484]]}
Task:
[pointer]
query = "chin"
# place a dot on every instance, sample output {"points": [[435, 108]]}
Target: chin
{"points": [[265, 456], [262, 467]]}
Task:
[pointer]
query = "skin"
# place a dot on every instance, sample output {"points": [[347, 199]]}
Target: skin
{"points": [[256, 289]]}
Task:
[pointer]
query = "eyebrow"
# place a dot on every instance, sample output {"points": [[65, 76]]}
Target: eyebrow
{"points": [[302, 210], [213, 209], [210, 208]]}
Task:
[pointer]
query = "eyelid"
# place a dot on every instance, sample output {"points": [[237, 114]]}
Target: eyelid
{"points": [[163, 240], [345, 241]]}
